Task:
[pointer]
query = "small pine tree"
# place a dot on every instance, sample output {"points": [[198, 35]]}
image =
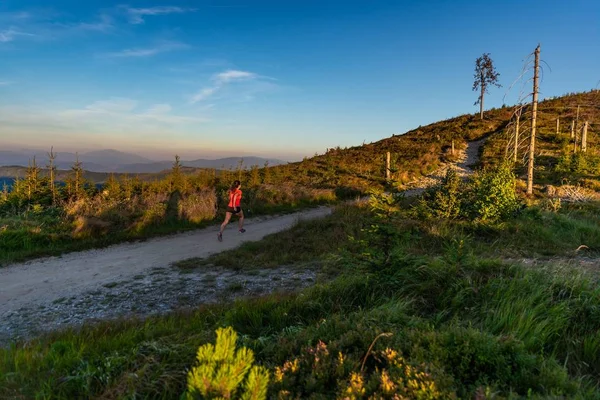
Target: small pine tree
{"points": [[254, 176], [112, 187], [32, 178], [222, 372], [177, 177], [266, 173], [75, 183]]}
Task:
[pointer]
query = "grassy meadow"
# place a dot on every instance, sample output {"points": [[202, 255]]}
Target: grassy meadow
{"points": [[458, 321]]}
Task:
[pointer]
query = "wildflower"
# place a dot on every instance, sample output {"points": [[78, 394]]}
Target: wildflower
{"points": [[387, 385], [356, 388]]}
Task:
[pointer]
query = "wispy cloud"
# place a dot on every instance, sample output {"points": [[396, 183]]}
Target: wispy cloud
{"points": [[10, 34], [105, 116], [136, 15], [234, 75], [104, 23], [4, 83], [203, 94], [220, 80], [123, 110], [149, 51]]}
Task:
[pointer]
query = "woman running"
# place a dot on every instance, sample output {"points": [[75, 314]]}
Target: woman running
{"points": [[233, 208]]}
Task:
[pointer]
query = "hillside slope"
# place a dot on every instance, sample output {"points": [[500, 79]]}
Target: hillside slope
{"points": [[421, 151]]}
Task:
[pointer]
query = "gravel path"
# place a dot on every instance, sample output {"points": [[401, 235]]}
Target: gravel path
{"points": [[58, 291]]}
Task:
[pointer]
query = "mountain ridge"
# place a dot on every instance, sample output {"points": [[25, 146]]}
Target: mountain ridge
{"points": [[110, 160]]}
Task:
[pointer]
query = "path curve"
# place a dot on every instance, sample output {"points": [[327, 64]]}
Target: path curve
{"points": [[52, 278], [464, 167]]}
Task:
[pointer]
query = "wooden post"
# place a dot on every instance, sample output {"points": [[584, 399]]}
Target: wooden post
{"points": [[573, 129], [534, 105], [517, 134], [388, 158], [584, 137], [452, 146], [557, 126]]}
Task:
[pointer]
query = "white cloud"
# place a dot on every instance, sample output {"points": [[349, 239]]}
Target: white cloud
{"points": [[221, 79], [10, 34], [203, 94], [234, 75], [150, 51], [4, 83], [136, 15]]}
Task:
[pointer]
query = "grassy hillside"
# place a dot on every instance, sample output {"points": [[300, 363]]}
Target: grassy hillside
{"points": [[93, 177], [419, 151], [416, 153], [552, 149]]}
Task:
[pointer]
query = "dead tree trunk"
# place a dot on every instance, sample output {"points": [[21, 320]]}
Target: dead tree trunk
{"points": [[557, 126], [573, 129], [481, 102], [584, 137], [52, 171], [388, 158], [534, 105], [576, 132], [519, 111], [452, 147]]}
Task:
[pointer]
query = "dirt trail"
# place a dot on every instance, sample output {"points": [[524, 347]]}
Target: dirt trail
{"points": [[466, 159], [48, 281]]}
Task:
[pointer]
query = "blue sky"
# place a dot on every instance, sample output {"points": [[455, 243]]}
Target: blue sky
{"points": [[274, 78]]}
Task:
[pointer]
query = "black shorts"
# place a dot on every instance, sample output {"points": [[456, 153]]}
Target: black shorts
{"points": [[234, 210]]}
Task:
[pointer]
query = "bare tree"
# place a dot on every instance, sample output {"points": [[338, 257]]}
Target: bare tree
{"points": [[485, 75], [52, 172], [534, 104]]}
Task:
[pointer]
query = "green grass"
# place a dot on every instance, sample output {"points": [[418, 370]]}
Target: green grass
{"points": [[474, 323]]}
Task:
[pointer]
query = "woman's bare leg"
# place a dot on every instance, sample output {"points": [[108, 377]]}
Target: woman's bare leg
{"points": [[241, 221], [224, 224]]}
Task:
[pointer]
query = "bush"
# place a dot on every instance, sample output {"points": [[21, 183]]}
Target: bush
{"points": [[493, 194], [321, 371], [443, 201]]}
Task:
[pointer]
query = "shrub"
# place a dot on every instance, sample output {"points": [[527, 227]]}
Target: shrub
{"points": [[443, 201], [493, 194], [199, 206], [320, 370], [223, 372]]}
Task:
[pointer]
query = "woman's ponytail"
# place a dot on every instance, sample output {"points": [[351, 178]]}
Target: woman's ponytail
{"points": [[236, 184]]}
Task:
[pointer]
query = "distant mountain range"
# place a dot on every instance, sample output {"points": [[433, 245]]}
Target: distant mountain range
{"points": [[118, 161]]}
